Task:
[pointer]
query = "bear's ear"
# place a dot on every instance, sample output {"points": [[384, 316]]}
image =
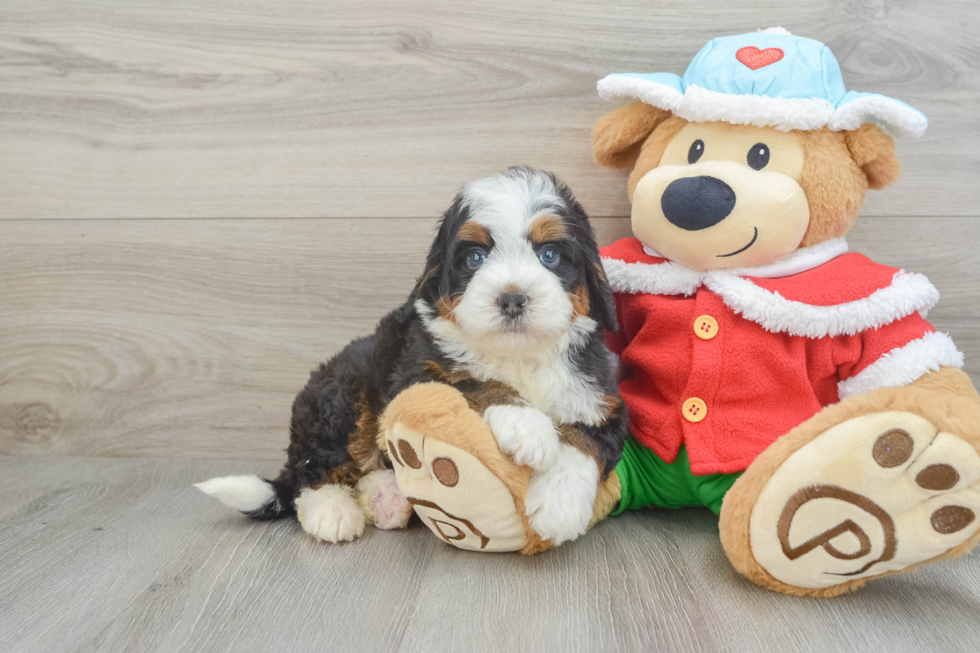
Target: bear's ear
{"points": [[874, 152], [618, 135]]}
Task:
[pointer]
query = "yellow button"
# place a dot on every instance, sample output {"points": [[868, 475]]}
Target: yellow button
{"points": [[694, 409], [706, 327]]}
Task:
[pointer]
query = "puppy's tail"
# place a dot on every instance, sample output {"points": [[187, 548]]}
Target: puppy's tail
{"points": [[257, 498]]}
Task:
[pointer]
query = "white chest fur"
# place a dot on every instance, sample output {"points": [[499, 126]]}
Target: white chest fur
{"points": [[545, 376], [554, 387]]}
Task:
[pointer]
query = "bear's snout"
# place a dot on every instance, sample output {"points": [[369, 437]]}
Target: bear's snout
{"points": [[695, 203]]}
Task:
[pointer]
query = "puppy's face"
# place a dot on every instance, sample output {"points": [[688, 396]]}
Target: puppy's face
{"points": [[515, 267]]}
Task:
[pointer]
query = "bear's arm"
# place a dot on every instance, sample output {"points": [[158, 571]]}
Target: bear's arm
{"points": [[892, 355], [948, 380]]}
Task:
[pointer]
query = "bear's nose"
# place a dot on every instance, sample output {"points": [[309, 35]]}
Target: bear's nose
{"points": [[695, 203]]}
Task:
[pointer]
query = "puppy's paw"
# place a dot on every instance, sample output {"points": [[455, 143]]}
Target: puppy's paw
{"points": [[330, 514], [560, 499], [525, 434], [381, 500]]}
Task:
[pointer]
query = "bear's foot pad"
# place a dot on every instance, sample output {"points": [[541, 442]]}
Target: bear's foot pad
{"points": [[875, 494], [455, 494]]}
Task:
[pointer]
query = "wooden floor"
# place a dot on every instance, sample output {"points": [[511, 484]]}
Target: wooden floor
{"points": [[112, 554], [201, 199]]}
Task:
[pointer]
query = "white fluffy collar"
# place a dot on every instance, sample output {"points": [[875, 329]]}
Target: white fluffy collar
{"points": [[687, 281], [907, 293]]}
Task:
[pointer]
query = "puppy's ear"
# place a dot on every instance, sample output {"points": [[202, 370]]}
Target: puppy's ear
{"points": [[874, 152], [618, 135], [601, 295], [602, 304], [429, 286]]}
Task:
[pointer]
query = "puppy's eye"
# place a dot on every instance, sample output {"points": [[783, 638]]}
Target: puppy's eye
{"points": [[697, 149], [758, 157], [549, 256], [475, 258]]}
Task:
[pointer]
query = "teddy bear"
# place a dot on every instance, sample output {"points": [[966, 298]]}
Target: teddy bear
{"points": [[791, 387]]}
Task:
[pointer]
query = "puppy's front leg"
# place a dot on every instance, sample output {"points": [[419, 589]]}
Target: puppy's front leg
{"points": [[525, 434], [560, 497], [565, 479], [329, 513]]}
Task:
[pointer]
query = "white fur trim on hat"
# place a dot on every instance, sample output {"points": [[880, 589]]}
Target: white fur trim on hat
{"points": [[904, 365], [701, 105], [898, 118], [698, 104], [661, 96]]}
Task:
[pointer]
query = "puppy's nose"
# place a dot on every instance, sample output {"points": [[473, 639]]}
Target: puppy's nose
{"points": [[512, 303], [695, 203]]}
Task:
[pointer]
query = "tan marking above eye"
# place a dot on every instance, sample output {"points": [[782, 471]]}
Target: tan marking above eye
{"points": [[546, 229], [475, 232]]}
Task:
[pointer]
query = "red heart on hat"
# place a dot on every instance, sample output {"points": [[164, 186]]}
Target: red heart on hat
{"points": [[755, 58]]}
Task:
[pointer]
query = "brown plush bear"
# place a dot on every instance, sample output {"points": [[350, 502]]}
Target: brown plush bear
{"points": [[792, 387], [874, 483], [770, 376]]}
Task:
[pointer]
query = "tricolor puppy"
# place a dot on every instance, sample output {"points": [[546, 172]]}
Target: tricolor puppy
{"points": [[510, 310]]}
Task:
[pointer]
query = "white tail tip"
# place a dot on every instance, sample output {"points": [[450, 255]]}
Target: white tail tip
{"points": [[246, 492]]}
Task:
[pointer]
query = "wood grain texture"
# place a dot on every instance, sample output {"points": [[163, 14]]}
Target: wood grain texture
{"points": [[191, 337], [350, 108], [123, 555], [150, 346]]}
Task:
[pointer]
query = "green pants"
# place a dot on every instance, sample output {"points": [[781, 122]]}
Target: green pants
{"points": [[647, 481]]}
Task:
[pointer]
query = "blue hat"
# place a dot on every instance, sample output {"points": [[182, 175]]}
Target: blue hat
{"points": [[768, 79]]}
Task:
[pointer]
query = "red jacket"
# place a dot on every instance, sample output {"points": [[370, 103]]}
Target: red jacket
{"points": [[763, 349]]}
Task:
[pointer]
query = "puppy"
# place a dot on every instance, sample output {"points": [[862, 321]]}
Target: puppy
{"points": [[510, 310]]}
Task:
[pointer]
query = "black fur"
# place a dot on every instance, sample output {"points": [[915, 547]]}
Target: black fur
{"points": [[371, 371], [586, 256]]}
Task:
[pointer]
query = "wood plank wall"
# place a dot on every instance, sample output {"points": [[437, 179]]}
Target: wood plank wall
{"points": [[201, 199]]}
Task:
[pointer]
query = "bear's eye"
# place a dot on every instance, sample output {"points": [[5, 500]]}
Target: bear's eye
{"points": [[758, 157], [697, 149]]}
